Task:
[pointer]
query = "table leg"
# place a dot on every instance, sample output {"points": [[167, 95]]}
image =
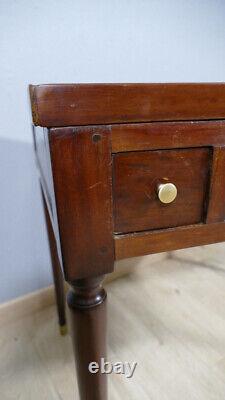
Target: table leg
{"points": [[57, 272], [87, 304]]}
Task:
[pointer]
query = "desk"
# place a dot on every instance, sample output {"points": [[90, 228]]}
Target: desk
{"points": [[125, 170]]}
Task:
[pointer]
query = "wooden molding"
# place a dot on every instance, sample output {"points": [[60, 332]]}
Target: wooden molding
{"points": [[90, 104], [166, 135], [143, 243]]}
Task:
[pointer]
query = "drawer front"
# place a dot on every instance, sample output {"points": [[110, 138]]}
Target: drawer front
{"points": [[137, 177]]}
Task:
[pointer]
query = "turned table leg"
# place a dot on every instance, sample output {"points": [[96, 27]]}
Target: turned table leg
{"points": [[57, 273], [87, 304]]}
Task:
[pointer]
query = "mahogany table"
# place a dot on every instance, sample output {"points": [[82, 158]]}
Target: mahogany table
{"points": [[125, 170]]}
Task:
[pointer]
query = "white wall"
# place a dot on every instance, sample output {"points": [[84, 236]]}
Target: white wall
{"points": [[83, 41]]}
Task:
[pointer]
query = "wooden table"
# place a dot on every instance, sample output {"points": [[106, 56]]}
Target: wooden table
{"points": [[125, 170]]}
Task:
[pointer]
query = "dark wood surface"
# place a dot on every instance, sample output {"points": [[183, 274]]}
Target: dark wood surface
{"points": [[136, 177], [87, 304], [153, 132], [216, 209], [158, 241], [56, 269], [81, 165], [43, 160], [42, 153], [88, 104], [167, 135]]}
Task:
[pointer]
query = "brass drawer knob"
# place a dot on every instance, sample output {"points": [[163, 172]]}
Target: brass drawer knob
{"points": [[167, 192]]}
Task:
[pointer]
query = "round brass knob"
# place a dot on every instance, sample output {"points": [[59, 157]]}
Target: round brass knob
{"points": [[167, 192]]}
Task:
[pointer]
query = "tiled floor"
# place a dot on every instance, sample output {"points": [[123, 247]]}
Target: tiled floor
{"points": [[169, 316]]}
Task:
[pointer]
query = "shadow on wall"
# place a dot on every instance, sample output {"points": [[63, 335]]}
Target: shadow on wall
{"points": [[24, 254]]}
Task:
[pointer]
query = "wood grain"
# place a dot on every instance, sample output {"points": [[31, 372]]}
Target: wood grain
{"points": [[81, 161], [56, 267], [88, 314], [41, 146], [87, 104], [136, 177], [216, 209], [43, 160], [81, 165], [165, 135], [143, 243]]}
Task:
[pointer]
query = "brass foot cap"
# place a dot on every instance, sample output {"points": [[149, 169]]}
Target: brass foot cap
{"points": [[63, 330]]}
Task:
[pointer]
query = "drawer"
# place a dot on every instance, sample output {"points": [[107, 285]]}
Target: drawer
{"points": [[137, 177]]}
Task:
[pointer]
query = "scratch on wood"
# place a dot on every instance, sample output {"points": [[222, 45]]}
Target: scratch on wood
{"points": [[93, 186]]}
